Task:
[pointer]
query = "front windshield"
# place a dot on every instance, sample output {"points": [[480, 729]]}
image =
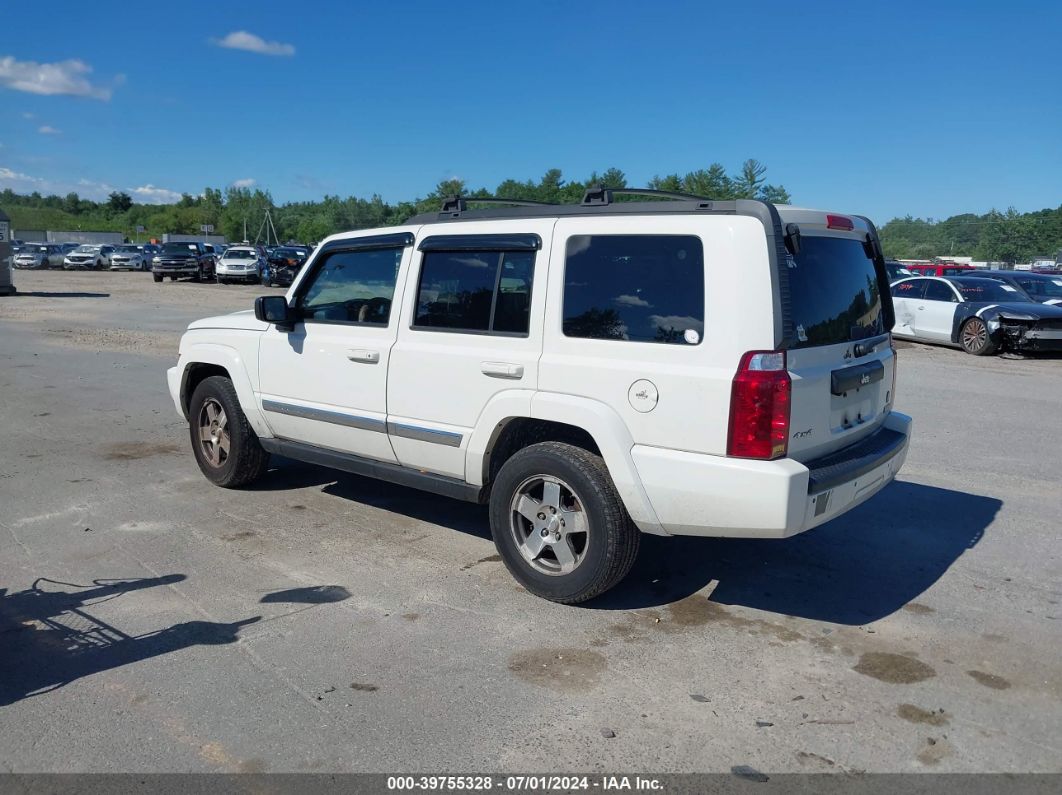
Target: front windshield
{"points": [[1042, 289], [239, 253], [128, 249], [176, 248], [988, 290], [87, 249]]}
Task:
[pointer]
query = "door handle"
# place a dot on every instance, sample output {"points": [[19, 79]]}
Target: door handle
{"points": [[921, 309], [502, 369], [368, 357]]}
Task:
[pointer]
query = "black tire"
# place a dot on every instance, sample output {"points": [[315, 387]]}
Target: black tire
{"points": [[611, 541], [973, 336], [246, 460], [157, 277]]}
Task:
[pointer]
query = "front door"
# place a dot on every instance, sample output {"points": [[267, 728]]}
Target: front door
{"points": [[324, 383], [936, 312]]}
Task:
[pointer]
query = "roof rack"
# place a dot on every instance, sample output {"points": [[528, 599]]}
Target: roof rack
{"points": [[597, 200], [598, 195], [458, 204]]}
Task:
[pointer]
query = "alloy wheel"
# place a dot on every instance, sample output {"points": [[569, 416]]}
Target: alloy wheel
{"points": [[549, 525], [214, 433]]}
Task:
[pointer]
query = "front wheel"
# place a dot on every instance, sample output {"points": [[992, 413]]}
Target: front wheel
{"points": [[226, 447], [157, 277], [559, 524], [974, 338]]}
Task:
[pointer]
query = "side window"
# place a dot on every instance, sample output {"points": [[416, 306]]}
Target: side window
{"points": [[940, 291], [640, 288], [909, 289], [352, 287], [485, 291]]}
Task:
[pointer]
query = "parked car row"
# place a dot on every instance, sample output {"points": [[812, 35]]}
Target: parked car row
{"points": [[982, 311]]}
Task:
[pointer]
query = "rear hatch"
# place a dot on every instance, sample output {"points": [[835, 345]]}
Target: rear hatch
{"points": [[841, 361]]}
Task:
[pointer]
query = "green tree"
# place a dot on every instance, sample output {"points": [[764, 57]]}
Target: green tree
{"points": [[118, 202]]}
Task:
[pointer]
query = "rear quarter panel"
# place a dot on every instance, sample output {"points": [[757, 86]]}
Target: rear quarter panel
{"points": [[693, 381]]}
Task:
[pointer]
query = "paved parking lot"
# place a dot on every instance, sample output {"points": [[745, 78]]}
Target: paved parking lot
{"points": [[152, 622]]}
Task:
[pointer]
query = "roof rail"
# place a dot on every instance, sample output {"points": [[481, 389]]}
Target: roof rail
{"points": [[597, 200], [457, 204], [596, 194]]}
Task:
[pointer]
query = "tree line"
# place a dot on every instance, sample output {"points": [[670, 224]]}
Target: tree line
{"points": [[228, 211], [1006, 236], [996, 236]]}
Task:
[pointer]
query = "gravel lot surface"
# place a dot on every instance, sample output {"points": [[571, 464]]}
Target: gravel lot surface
{"points": [[324, 622]]}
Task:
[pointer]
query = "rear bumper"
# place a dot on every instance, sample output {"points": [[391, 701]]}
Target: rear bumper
{"points": [[704, 495]]}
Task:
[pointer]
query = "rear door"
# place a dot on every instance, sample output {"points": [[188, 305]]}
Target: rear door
{"points": [[905, 297], [840, 361], [471, 333]]}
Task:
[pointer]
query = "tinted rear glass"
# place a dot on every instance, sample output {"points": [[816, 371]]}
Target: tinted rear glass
{"points": [[640, 288], [834, 293]]}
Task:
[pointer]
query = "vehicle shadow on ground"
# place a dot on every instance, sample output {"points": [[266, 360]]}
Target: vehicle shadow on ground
{"points": [[465, 517], [858, 568], [43, 294], [48, 637]]}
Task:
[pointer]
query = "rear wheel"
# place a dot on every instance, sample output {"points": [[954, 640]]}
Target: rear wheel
{"points": [[974, 338], [226, 447], [559, 524]]}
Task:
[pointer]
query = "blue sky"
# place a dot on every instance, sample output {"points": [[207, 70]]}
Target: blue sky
{"points": [[882, 108]]}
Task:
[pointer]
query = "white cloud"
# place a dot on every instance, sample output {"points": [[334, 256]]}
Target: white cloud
{"points": [[630, 300], [677, 322], [28, 115], [8, 175], [150, 194], [245, 183], [62, 77], [242, 40], [47, 129]]}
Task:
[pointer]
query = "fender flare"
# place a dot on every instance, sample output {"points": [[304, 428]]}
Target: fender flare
{"points": [[230, 359], [614, 441], [503, 406]]}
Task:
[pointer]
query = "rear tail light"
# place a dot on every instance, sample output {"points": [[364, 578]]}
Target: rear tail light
{"points": [[759, 407], [839, 222]]}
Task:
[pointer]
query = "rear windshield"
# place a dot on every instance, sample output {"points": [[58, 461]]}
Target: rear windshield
{"points": [[834, 292], [1042, 288]]}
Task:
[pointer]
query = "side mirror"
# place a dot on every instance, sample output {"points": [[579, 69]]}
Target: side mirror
{"points": [[274, 309]]}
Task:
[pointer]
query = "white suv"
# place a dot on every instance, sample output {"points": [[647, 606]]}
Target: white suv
{"points": [[677, 367]]}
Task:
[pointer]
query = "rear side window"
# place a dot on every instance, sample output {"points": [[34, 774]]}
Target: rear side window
{"points": [[834, 293], [909, 289], [640, 288], [475, 291]]}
